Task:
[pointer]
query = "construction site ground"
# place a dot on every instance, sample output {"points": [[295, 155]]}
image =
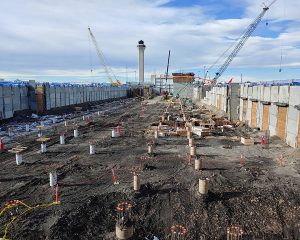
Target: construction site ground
{"points": [[262, 196]]}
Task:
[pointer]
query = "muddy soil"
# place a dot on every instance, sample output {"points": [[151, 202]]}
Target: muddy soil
{"points": [[260, 196]]}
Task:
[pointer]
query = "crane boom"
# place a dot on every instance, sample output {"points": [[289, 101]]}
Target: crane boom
{"points": [[242, 42], [102, 58]]}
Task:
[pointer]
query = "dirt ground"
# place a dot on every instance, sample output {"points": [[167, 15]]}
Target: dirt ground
{"points": [[261, 197]]}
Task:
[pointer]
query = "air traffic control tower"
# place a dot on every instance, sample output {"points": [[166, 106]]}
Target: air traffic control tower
{"points": [[141, 46]]}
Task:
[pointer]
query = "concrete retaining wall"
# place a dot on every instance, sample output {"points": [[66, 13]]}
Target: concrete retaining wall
{"points": [[273, 119], [281, 94], [13, 97], [16, 96]]}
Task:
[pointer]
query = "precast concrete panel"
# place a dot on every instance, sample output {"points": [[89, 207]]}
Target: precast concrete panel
{"points": [[71, 94], [242, 92], [67, 91], [47, 96], [52, 97], [101, 94], [284, 94], [7, 101], [249, 108], [273, 119], [261, 92], [255, 92], [294, 96], [16, 95], [292, 127], [250, 92], [246, 95], [259, 115], [224, 102], [241, 109], [267, 94], [81, 95], [98, 94], [274, 94], [57, 95], [63, 96]]}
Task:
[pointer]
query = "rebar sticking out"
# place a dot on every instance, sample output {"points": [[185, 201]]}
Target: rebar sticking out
{"points": [[124, 225], [234, 233], [178, 232]]}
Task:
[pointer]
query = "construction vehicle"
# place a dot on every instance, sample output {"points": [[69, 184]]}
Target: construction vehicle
{"points": [[241, 42], [109, 73]]}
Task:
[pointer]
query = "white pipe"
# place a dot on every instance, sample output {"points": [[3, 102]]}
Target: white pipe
{"points": [[92, 149], [62, 139], [43, 147], [156, 134], [53, 178], [114, 134], [76, 133], [19, 159], [27, 128]]}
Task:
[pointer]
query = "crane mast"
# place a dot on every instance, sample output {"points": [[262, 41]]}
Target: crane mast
{"points": [[241, 42], [102, 58]]}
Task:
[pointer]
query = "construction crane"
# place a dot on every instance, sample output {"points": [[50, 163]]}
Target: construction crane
{"points": [[242, 42], [109, 73]]}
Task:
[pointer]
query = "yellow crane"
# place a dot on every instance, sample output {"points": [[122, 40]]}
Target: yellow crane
{"points": [[110, 75]]}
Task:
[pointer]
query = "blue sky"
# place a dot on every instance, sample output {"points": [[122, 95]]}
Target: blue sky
{"points": [[48, 40]]}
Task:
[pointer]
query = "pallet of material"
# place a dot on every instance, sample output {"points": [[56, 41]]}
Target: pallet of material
{"points": [[201, 131], [43, 139], [17, 149], [181, 132], [247, 141]]}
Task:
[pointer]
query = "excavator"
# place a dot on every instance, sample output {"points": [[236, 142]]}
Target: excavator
{"points": [[109, 73]]}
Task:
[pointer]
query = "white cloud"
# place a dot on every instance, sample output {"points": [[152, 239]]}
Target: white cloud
{"points": [[50, 34]]}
